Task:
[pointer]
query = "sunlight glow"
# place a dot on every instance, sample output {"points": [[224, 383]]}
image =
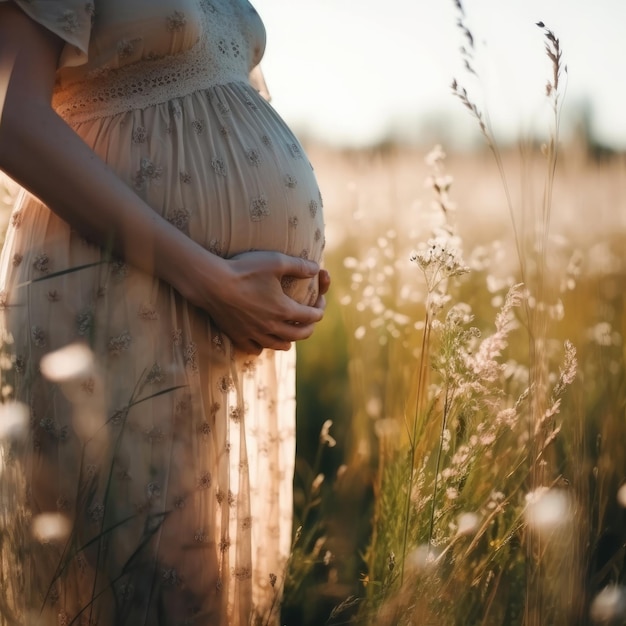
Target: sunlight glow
{"points": [[353, 72]]}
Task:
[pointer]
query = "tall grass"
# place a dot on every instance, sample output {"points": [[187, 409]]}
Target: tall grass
{"points": [[487, 404]]}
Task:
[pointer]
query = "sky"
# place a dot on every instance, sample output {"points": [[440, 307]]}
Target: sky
{"points": [[353, 72]]}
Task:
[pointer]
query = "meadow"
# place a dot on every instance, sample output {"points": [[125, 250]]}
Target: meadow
{"points": [[461, 430], [476, 393]]}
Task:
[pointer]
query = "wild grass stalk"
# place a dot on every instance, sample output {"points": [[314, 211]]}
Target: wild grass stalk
{"points": [[440, 262], [476, 478], [532, 236]]}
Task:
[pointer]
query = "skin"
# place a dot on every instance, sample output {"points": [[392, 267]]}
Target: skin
{"points": [[243, 295]]}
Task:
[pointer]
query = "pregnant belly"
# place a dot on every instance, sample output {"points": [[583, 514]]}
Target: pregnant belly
{"points": [[263, 199], [252, 198], [221, 166]]}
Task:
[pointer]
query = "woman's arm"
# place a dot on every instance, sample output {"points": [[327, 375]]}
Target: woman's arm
{"points": [[42, 153]]}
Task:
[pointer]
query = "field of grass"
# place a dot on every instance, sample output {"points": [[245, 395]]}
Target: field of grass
{"points": [[479, 467], [461, 416]]}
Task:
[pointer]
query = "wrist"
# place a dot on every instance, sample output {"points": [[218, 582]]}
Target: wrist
{"points": [[198, 275]]}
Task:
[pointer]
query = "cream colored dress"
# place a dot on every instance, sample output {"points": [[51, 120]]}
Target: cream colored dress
{"points": [[171, 460]]}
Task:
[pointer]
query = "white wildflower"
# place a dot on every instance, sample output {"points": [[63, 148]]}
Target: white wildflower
{"points": [[487, 439], [460, 314], [387, 429], [604, 335], [548, 509], [435, 156], [421, 559], [452, 493], [467, 523], [446, 436], [438, 260]]}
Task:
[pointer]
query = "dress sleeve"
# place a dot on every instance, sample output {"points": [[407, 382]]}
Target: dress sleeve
{"points": [[71, 20]]}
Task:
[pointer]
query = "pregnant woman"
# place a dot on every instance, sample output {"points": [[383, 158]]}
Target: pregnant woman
{"points": [[170, 227]]}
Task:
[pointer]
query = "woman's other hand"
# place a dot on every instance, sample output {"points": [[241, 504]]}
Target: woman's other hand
{"points": [[247, 302]]}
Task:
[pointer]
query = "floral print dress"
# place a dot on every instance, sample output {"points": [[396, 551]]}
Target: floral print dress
{"points": [[153, 485]]}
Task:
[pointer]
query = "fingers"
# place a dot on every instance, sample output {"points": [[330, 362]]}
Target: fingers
{"points": [[280, 336], [250, 347], [254, 348], [297, 267], [320, 303], [281, 339], [324, 282], [324, 285], [277, 343], [257, 310], [301, 315]]}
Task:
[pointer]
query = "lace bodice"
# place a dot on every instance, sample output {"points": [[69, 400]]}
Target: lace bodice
{"points": [[128, 54]]}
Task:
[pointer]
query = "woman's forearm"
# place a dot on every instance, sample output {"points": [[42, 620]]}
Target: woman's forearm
{"points": [[44, 155]]}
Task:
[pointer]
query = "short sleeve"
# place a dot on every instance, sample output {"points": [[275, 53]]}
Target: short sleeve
{"points": [[71, 20]]}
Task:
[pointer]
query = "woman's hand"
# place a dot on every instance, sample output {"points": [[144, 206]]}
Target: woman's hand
{"points": [[324, 285], [247, 302]]}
